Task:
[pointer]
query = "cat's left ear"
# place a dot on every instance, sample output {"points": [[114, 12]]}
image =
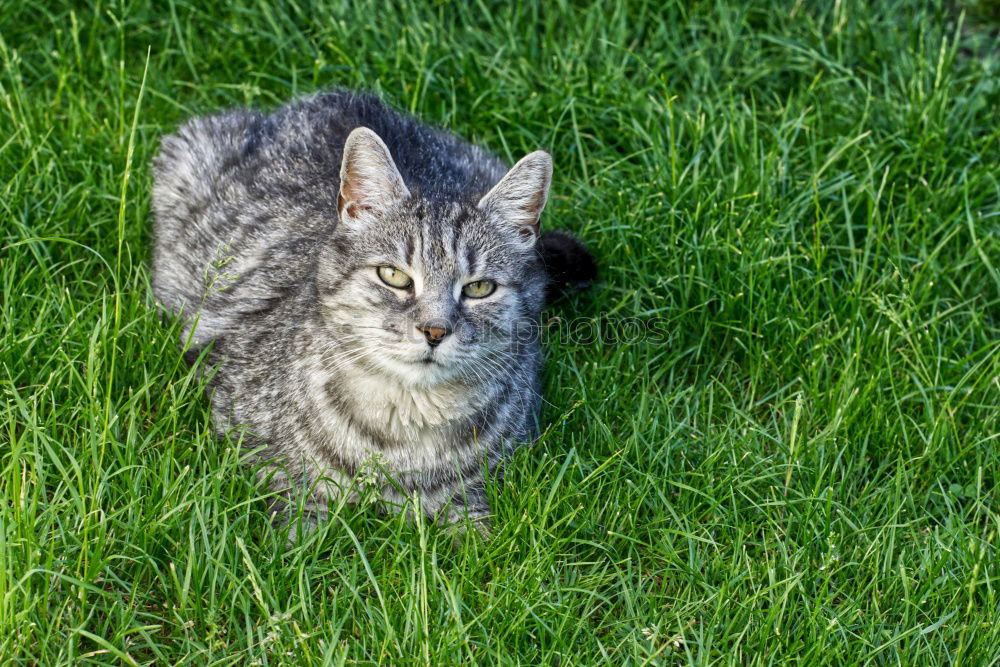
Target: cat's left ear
{"points": [[519, 197], [369, 180]]}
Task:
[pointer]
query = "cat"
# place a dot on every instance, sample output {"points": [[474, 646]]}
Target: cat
{"points": [[367, 291]]}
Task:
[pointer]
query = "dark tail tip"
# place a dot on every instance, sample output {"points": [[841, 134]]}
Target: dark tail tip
{"points": [[566, 259]]}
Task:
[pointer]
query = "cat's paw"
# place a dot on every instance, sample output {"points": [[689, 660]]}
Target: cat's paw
{"points": [[470, 529], [463, 520]]}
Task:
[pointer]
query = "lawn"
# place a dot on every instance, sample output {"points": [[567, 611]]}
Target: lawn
{"points": [[798, 463]]}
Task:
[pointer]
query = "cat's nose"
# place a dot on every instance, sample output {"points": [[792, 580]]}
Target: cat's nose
{"points": [[434, 335]]}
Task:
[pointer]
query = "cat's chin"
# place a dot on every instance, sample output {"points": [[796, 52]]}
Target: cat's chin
{"points": [[423, 372]]}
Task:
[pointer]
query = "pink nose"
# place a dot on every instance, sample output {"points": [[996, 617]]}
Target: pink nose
{"points": [[434, 335]]}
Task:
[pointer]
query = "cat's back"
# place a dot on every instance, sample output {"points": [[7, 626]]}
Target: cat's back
{"points": [[293, 155], [432, 161]]}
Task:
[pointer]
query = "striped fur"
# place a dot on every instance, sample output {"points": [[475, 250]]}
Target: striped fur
{"points": [[266, 243]]}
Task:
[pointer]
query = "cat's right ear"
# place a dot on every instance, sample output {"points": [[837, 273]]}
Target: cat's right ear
{"points": [[369, 180]]}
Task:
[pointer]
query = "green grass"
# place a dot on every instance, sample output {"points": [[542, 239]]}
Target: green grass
{"points": [[802, 197]]}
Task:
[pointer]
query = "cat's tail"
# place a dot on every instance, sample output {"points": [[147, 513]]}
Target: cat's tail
{"points": [[567, 261]]}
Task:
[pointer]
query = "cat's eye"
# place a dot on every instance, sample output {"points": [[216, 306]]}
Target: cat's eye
{"points": [[393, 277], [479, 289]]}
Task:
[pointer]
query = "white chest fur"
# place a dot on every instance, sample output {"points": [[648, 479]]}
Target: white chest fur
{"points": [[426, 425]]}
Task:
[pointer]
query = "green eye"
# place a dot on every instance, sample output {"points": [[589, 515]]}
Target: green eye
{"points": [[479, 289], [393, 277]]}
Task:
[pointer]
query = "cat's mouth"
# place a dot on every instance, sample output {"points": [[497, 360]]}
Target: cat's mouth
{"points": [[431, 359]]}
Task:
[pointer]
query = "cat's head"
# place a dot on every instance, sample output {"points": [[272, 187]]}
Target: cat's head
{"points": [[429, 290]]}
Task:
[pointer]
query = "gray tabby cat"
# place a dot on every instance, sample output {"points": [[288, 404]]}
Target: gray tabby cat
{"points": [[370, 288]]}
